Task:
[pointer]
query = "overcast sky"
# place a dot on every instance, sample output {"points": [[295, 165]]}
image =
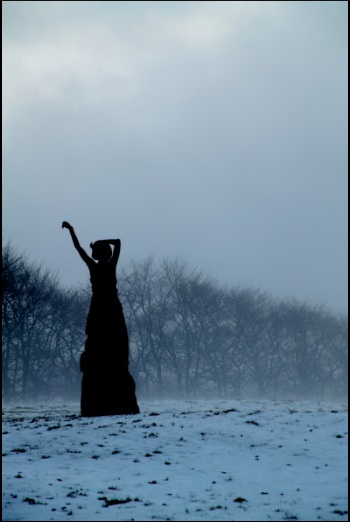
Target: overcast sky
{"points": [[212, 131]]}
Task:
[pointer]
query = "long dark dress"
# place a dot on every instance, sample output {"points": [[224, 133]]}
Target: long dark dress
{"points": [[107, 386]]}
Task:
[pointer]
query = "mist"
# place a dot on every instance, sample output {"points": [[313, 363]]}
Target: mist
{"points": [[189, 337]]}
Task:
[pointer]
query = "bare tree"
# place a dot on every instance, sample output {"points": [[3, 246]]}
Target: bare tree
{"points": [[188, 336]]}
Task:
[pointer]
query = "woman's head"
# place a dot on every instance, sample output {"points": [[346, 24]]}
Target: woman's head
{"points": [[101, 251]]}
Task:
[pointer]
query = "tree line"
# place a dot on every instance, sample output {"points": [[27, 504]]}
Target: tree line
{"points": [[189, 336]]}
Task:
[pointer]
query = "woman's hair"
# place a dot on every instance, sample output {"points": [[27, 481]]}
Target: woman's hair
{"points": [[101, 251]]}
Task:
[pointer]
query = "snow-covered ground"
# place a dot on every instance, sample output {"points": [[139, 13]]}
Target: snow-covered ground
{"points": [[177, 460]]}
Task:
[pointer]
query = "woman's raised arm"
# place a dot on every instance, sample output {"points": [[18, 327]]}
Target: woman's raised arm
{"points": [[76, 243], [116, 250]]}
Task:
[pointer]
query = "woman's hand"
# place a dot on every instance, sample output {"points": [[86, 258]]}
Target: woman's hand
{"points": [[65, 224], [113, 242]]}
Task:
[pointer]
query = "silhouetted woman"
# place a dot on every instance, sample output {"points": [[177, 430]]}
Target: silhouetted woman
{"points": [[107, 386]]}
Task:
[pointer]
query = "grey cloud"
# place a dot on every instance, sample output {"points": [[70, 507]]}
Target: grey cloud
{"points": [[233, 155]]}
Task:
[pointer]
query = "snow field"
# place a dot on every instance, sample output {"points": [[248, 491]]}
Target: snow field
{"points": [[177, 460]]}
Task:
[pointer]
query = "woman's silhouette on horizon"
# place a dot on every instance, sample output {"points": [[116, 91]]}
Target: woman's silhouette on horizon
{"points": [[107, 386]]}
